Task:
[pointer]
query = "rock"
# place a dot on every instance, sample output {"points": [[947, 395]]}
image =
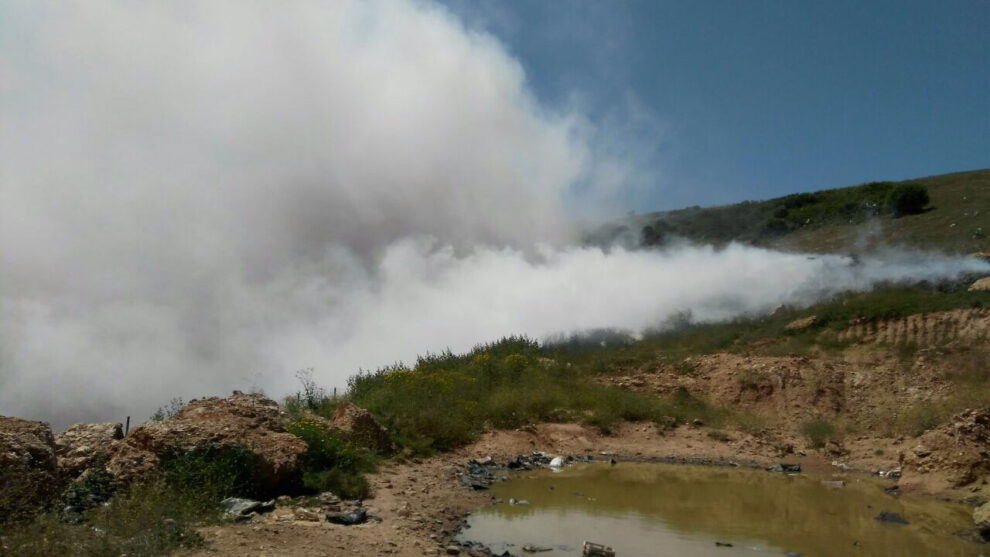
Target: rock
{"points": [[982, 285], [530, 548], [350, 518], [250, 420], [306, 515], [452, 550], [834, 448], [79, 446], [237, 507], [361, 428], [891, 517], [28, 470], [801, 324], [951, 456], [981, 515]]}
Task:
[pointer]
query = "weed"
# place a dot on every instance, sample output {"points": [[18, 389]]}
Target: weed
{"points": [[144, 520], [168, 411], [818, 432]]}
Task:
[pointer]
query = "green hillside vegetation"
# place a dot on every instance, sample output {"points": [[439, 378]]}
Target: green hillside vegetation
{"points": [[956, 218], [446, 400]]}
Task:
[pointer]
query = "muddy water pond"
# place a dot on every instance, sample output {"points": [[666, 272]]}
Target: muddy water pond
{"points": [[643, 509]]}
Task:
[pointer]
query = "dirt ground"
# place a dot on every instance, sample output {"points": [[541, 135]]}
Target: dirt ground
{"points": [[421, 502]]}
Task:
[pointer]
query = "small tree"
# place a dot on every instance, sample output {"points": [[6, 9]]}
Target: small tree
{"points": [[908, 199]]}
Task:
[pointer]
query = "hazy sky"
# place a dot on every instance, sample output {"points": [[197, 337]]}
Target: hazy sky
{"points": [[754, 99]]}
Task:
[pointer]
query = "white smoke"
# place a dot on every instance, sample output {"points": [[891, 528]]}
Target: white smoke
{"points": [[196, 197]]}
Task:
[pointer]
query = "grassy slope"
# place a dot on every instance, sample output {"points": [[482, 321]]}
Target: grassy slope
{"points": [[960, 205], [846, 219]]}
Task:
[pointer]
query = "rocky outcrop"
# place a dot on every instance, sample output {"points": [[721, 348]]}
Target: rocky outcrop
{"points": [[358, 426], [982, 285], [249, 420], [28, 473], [801, 324], [81, 445], [951, 456]]}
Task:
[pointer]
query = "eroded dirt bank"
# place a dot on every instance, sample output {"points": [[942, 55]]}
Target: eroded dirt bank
{"points": [[421, 502]]}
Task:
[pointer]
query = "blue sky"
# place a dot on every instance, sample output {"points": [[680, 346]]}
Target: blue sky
{"points": [[739, 100]]}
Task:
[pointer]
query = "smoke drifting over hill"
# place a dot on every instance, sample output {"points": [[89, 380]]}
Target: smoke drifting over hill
{"points": [[196, 197]]}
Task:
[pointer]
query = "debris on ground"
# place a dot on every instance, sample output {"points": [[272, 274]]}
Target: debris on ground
{"points": [[784, 467], [348, 518], [239, 508], [592, 549]]}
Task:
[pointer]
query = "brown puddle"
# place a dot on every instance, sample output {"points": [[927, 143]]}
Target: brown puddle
{"points": [[642, 509]]}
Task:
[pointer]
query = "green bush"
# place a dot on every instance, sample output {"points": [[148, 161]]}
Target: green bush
{"points": [[908, 199], [212, 472], [446, 400], [818, 432], [330, 462]]}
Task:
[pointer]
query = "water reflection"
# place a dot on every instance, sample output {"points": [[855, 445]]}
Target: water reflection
{"points": [[660, 509]]}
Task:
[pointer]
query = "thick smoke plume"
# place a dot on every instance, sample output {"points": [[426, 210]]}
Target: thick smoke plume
{"points": [[196, 197]]}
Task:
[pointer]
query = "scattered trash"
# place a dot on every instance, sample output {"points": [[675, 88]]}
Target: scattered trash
{"points": [[840, 465], [892, 474], [240, 509], [350, 518], [833, 483], [529, 548], [592, 549], [518, 501], [783, 467], [891, 517], [557, 462], [723, 544]]}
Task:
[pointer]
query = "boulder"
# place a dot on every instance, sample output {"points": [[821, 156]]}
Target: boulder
{"points": [[78, 447], [358, 426], [951, 456], [249, 420], [28, 471]]}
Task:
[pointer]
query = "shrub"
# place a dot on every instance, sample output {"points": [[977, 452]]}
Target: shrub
{"points": [[168, 411], [908, 199], [818, 432], [95, 486], [311, 397], [212, 472], [330, 462]]}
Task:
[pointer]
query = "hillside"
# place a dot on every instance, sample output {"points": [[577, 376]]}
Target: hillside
{"points": [[957, 219]]}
